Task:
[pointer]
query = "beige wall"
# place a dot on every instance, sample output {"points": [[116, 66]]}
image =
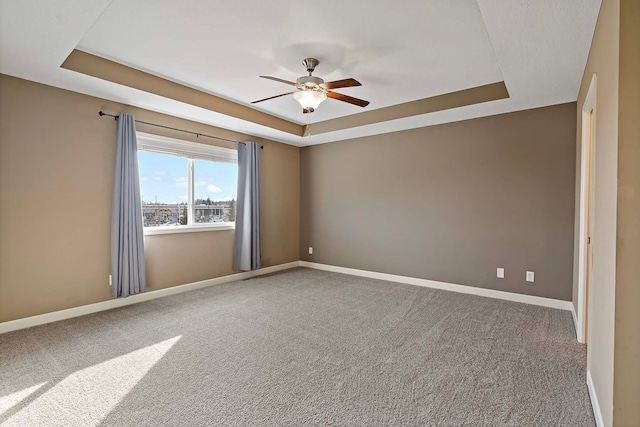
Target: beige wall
{"points": [[450, 202], [626, 384], [56, 174], [603, 61]]}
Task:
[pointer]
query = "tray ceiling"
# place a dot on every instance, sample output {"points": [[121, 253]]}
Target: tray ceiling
{"points": [[400, 55]]}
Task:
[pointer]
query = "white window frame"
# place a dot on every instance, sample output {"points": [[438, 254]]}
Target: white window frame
{"points": [[192, 151]]}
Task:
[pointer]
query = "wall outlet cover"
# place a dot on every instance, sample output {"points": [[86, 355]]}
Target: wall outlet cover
{"points": [[310, 250], [500, 273], [530, 276]]}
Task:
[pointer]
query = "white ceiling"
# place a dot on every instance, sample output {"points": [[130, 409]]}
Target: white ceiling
{"points": [[399, 51]]}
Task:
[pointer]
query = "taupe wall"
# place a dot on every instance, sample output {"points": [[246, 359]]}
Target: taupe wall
{"points": [[603, 61], [56, 174], [626, 384], [450, 202]]}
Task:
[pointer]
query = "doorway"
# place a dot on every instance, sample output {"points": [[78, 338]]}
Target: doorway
{"points": [[585, 261]]}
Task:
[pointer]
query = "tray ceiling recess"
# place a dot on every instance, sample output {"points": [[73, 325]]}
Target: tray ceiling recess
{"points": [[105, 69], [430, 62]]}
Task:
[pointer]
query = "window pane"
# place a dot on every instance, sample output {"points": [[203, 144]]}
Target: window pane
{"points": [[164, 189], [215, 191]]}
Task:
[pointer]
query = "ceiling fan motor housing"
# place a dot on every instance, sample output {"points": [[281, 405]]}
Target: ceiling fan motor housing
{"points": [[309, 81]]}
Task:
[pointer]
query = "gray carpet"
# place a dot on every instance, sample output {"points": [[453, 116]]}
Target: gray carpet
{"points": [[302, 347]]}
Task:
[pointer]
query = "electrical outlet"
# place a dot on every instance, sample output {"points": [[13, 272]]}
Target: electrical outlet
{"points": [[500, 273], [110, 280], [310, 250], [529, 276]]}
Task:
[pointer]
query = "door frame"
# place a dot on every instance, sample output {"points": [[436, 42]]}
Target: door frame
{"points": [[587, 181]]}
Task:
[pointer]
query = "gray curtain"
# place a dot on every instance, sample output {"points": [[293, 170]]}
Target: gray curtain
{"points": [[247, 250], [127, 236]]}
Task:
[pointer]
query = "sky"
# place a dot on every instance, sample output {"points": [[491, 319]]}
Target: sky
{"points": [[165, 177]]}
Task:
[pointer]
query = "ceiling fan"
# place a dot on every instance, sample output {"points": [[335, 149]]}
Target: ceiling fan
{"points": [[313, 90]]}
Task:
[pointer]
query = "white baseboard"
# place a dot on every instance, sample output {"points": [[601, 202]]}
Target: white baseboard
{"points": [[509, 296], [55, 316], [594, 401], [575, 319]]}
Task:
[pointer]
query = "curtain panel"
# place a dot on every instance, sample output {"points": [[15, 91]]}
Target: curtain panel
{"points": [[247, 251], [127, 234]]}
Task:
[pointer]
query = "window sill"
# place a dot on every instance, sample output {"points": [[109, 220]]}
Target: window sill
{"points": [[151, 231]]}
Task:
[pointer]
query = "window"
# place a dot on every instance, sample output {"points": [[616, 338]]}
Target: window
{"points": [[186, 186]]}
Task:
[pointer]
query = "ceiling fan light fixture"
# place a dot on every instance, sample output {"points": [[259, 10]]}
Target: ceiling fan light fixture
{"points": [[309, 99]]}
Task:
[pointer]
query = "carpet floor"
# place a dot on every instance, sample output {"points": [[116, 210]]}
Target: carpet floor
{"points": [[301, 347]]}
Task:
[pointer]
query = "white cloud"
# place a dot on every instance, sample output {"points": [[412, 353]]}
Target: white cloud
{"points": [[213, 188], [223, 199], [157, 178], [182, 197], [144, 178], [182, 182], [159, 172]]}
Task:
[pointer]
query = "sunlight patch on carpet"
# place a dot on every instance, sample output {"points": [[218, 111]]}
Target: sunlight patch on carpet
{"points": [[87, 396], [7, 402]]}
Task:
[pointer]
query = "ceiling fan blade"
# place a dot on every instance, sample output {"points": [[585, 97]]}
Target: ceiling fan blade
{"points": [[340, 83], [349, 99], [271, 97], [278, 80]]}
